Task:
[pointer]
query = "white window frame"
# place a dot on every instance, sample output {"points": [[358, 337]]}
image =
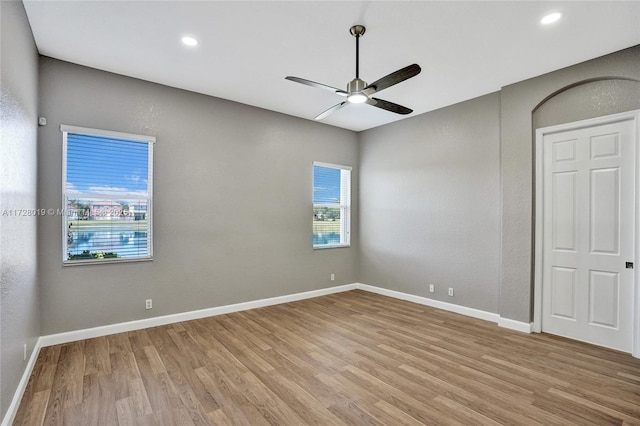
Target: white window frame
{"points": [[150, 140], [345, 205]]}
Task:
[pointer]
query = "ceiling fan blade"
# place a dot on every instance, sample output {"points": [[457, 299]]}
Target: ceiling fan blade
{"points": [[330, 110], [389, 106], [394, 78], [317, 85]]}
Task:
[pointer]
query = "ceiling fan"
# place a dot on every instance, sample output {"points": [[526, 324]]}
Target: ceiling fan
{"points": [[358, 91]]}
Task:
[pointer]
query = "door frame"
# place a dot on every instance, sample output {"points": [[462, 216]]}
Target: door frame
{"points": [[539, 215]]}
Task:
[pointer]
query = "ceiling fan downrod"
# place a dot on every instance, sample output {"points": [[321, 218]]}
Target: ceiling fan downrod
{"points": [[356, 85], [357, 31]]}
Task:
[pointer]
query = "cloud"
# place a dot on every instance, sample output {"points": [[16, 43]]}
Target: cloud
{"points": [[114, 190], [107, 189]]}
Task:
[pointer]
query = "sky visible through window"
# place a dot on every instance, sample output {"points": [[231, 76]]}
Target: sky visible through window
{"points": [[99, 165], [326, 185]]}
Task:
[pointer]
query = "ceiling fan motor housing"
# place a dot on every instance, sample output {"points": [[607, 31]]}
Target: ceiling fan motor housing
{"points": [[356, 85]]}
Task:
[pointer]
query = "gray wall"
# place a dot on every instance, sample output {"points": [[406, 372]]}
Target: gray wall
{"points": [[430, 204], [19, 313], [518, 102], [447, 197], [588, 100], [232, 201]]}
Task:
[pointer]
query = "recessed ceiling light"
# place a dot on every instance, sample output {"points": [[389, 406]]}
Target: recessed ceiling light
{"points": [[551, 18], [189, 41]]}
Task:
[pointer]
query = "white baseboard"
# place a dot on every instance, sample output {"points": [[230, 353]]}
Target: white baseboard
{"points": [[22, 386], [523, 327], [72, 336], [470, 312]]}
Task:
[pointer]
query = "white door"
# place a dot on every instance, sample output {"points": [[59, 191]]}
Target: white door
{"points": [[589, 199]]}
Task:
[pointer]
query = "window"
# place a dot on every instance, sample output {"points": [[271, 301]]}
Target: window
{"points": [[331, 205], [107, 196]]}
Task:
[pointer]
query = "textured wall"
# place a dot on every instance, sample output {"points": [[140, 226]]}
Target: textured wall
{"points": [[430, 204], [518, 102], [232, 201], [427, 200], [19, 314], [588, 100]]}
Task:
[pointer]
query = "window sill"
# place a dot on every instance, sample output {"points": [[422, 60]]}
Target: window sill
{"points": [[331, 246], [103, 261]]}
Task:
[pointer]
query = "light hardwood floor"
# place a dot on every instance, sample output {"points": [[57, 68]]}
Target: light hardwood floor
{"points": [[348, 358]]}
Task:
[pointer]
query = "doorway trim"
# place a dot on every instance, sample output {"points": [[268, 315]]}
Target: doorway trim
{"points": [[539, 209]]}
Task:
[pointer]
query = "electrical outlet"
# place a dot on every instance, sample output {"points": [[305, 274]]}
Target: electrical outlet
{"points": [[24, 352], [432, 288], [148, 304], [333, 277], [451, 291]]}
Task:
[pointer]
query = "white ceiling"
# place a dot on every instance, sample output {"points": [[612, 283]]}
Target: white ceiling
{"points": [[466, 49]]}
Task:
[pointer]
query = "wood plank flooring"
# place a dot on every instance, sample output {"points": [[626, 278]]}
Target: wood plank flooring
{"points": [[344, 359]]}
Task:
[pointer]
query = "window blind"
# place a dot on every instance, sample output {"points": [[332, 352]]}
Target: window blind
{"points": [[107, 182], [331, 205]]}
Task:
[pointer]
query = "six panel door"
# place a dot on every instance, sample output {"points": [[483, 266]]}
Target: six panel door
{"points": [[589, 198]]}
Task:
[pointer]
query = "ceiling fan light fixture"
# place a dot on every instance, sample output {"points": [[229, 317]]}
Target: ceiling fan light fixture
{"points": [[355, 88], [357, 98]]}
